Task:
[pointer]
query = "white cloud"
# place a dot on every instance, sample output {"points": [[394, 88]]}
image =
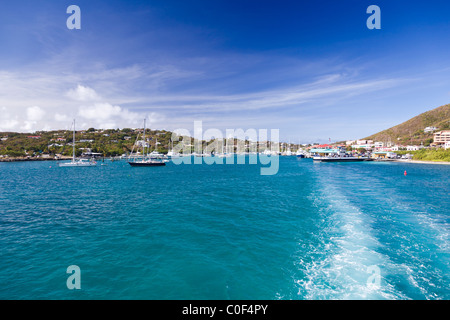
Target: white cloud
{"points": [[105, 115], [28, 126], [82, 93], [35, 113], [100, 111], [155, 119], [167, 97], [8, 122], [61, 117]]}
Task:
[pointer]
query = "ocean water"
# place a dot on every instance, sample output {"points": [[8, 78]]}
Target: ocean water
{"points": [[312, 231]]}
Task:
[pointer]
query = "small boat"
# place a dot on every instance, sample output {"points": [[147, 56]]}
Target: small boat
{"points": [[300, 153], [288, 151], [147, 163], [154, 161], [223, 154], [172, 154], [156, 155], [202, 155], [77, 162]]}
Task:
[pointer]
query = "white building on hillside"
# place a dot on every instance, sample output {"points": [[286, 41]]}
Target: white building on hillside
{"points": [[397, 148], [379, 144], [413, 148], [429, 129]]}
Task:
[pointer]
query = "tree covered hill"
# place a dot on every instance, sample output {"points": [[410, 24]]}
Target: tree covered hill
{"points": [[412, 131], [110, 142]]}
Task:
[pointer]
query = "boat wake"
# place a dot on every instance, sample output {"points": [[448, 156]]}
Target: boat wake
{"points": [[346, 264], [376, 248]]}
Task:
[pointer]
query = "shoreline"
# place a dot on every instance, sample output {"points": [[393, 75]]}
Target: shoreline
{"points": [[69, 158], [32, 159], [423, 162]]}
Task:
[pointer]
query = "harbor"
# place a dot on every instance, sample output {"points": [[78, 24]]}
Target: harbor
{"points": [[192, 222], [207, 155]]}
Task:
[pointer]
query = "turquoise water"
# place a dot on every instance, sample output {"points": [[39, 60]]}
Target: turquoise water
{"points": [[313, 231]]}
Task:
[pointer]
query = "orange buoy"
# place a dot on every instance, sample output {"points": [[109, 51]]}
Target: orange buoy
{"points": [[405, 173]]}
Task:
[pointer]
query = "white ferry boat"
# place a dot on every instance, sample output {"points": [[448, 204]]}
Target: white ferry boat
{"points": [[337, 155]]}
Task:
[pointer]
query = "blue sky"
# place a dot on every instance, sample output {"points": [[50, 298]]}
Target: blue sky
{"points": [[311, 69]]}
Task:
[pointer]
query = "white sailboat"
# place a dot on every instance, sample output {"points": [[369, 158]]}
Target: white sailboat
{"points": [[77, 162], [288, 151], [172, 154], [224, 154], [155, 154], [147, 161]]}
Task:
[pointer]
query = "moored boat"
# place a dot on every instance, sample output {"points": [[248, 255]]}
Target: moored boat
{"points": [[155, 161], [147, 163], [340, 159], [77, 162], [337, 155]]}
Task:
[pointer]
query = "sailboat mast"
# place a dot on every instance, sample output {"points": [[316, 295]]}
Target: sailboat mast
{"points": [[73, 142], [143, 148]]}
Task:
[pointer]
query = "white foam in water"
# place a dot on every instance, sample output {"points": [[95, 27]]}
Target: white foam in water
{"points": [[343, 266], [421, 233]]}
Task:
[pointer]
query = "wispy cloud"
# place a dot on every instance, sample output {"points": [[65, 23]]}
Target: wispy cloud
{"points": [[317, 91], [175, 64], [120, 97]]}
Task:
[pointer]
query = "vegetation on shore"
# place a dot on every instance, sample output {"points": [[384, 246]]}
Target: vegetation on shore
{"points": [[111, 142], [412, 132], [108, 143], [437, 155]]}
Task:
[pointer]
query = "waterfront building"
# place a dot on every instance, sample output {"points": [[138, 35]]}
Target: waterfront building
{"points": [[414, 148], [364, 146], [441, 137], [384, 155]]}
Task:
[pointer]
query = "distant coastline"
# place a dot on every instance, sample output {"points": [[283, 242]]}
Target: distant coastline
{"points": [[69, 158], [32, 159], [423, 162]]}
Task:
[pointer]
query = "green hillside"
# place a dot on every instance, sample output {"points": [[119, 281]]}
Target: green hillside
{"points": [[411, 131], [110, 142]]}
